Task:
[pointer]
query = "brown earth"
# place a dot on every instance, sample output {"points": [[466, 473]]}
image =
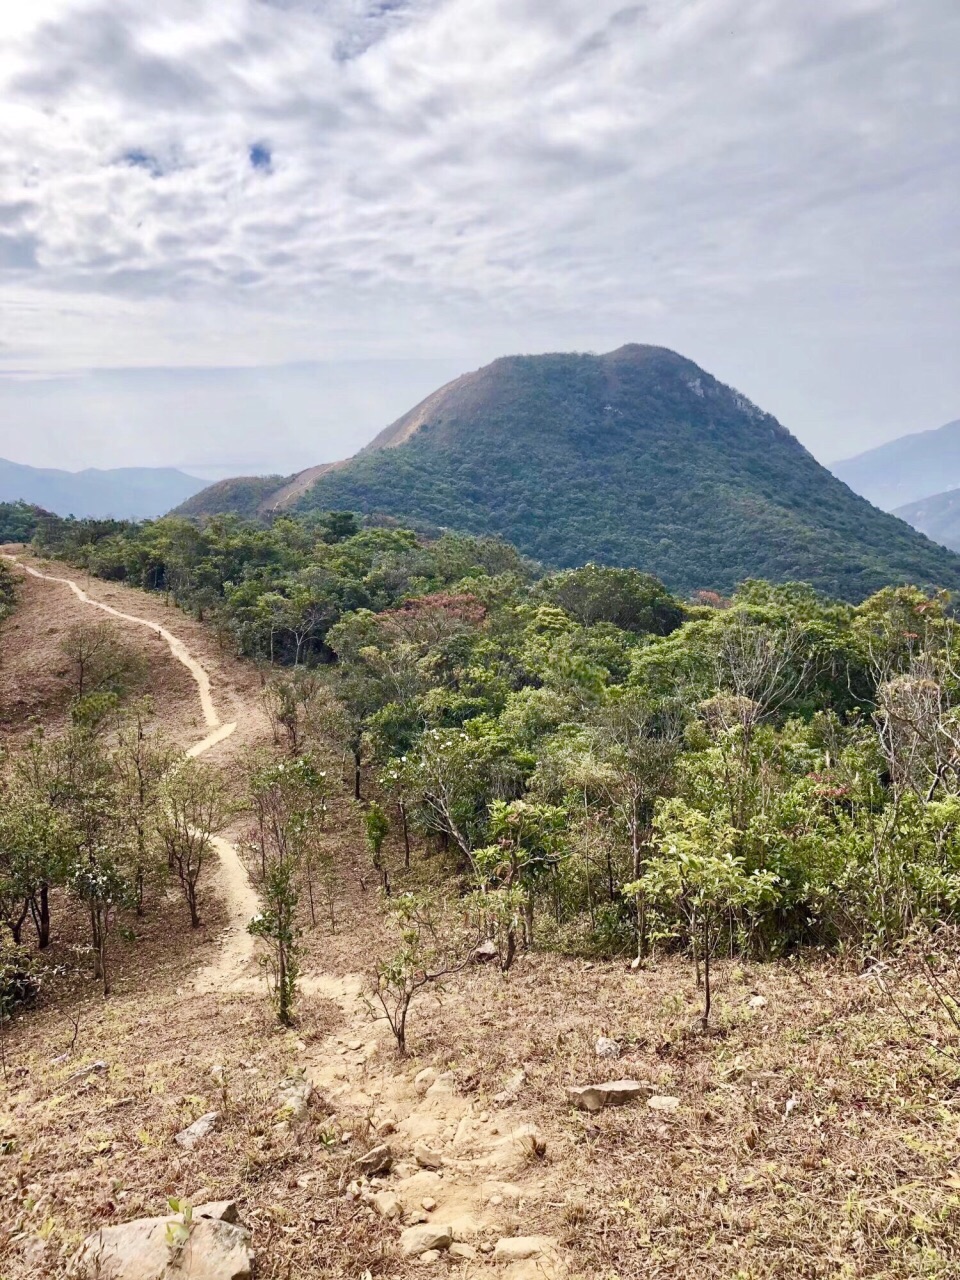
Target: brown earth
{"points": [[814, 1135]]}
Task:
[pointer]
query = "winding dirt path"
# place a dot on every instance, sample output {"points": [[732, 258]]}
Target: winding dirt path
{"points": [[239, 895], [470, 1168]]}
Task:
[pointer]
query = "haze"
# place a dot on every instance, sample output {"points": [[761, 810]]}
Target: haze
{"points": [[245, 235]]}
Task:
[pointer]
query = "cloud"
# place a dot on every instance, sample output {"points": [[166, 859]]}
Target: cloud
{"points": [[768, 185]]}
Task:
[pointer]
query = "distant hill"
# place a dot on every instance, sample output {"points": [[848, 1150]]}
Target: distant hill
{"points": [[242, 495], [938, 517], [907, 469], [125, 493], [637, 457]]}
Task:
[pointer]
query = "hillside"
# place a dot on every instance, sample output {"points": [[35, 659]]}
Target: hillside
{"points": [[634, 458], [938, 517], [137, 493], [241, 495], [907, 469]]}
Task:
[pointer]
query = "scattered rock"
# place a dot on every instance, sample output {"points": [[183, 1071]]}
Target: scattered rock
{"points": [[93, 1068], [427, 1158], [614, 1093], [214, 1250], [517, 1248], [512, 1087], [757, 1002], [194, 1133], [606, 1048], [465, 1252], [424, 1079], [293, 1099], [388, 1205], [416, 1241], [663, 1102], [379, 1160], [485, 952], [219, 1210]]}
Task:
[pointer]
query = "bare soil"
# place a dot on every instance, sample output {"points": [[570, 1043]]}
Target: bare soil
{"points": [[813, 1134]]}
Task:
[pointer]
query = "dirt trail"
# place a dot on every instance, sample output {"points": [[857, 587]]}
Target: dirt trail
{"points": [[238, 893], [457, 1165]]}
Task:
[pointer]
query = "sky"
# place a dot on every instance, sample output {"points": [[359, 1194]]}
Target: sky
{"points": [[244, 235]]}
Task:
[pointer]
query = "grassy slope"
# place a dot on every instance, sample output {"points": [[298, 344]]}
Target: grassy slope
{"points": [[636, 458], [241, 495]]}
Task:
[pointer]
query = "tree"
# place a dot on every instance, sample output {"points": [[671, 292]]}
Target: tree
{"points": [[698, 874], [141, 762], [430, 949], [193, 807], [287, 800], [99, 661], [377, 829]]}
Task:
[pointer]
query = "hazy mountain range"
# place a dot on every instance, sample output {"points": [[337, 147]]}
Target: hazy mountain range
{"points": [[124, 493], [637, 457], [905, 470]]}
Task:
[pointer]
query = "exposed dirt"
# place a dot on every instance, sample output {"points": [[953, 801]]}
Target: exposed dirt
{"points": [[811, 1135]]}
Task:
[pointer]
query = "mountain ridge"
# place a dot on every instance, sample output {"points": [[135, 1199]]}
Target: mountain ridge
{"points": [[637, 457], [121, 492], [905, 470]]}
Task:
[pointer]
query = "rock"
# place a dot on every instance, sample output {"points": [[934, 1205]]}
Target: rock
{"points": [[757, 1002], [465, 1252], [427, 1158], [194, 1133], [430, 1255], [93, 1068], [220, 1210], [293, 1099], [512, 1088], [424, 1079], [214, 1250], [517, 1248], [606, 1048], [428, 1204], [485, 952], [379, 1160], [614, 1093], [663, 1102], [388, 1205], [418, 1240]]}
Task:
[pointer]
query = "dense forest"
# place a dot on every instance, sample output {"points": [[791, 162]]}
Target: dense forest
{"points": [[604, 767], [637, 458]]}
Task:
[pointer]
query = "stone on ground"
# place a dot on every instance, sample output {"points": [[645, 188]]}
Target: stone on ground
{"points": [[613, 1093], [293, 1099], [379, 1160], [606, 1048], [200, 1129], [663, 1102], [421, 1239], [518, 1248], [426, 1157], [138, 1250]]}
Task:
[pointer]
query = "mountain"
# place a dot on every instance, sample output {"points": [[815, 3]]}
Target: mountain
{"points": [[637, 457], [241, 495], [125, 493], [907, 469], [938, 517]]}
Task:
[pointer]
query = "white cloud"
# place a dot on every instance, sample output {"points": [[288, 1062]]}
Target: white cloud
{"points": [[768, 185]]}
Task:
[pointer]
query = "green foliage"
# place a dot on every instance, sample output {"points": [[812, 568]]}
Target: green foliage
{"points": [[638, 459], [19, 521]]}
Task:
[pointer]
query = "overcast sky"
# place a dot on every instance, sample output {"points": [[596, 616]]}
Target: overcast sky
{"points": [[248, 233]]}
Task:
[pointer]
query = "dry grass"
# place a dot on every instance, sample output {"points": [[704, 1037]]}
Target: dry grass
{"points": [[816, 1136]]}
